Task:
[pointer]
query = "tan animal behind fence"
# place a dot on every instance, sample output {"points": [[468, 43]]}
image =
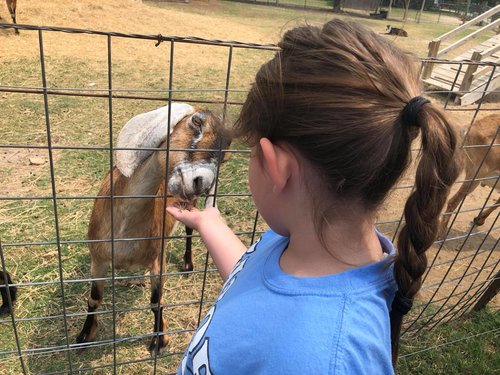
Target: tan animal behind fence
{"points": [[481, 164]]}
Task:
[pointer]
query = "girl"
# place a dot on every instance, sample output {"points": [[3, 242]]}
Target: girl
{"points": [[330, 120]]}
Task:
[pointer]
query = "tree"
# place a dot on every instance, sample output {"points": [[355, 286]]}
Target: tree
{"points": [[336, 5], [407, 5]]}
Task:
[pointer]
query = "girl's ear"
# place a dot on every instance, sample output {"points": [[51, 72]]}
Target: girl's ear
{"points": [[278, 161]]}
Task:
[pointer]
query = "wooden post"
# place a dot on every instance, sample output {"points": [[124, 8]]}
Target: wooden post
{"points": [[489, 293], [433, 51], [469, 73]]}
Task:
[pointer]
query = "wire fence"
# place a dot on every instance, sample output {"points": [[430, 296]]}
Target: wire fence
{"points": [[57, 141], [395, 11]]}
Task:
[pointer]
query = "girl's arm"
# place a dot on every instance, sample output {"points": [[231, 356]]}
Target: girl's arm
{"points": [[222, 244]]}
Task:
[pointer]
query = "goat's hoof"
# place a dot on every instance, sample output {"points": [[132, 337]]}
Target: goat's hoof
{"points": [[157, 346], [478, 221], [187, 267], [84, 337], [81, 338], [5, 310]]}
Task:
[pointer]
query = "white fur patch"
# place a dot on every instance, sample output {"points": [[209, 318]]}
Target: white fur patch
{"points": [[147, 130], [210, 201]]}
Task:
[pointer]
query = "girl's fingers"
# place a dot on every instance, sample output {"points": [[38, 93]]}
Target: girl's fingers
{"points": [[174, 211], [188, 217], [179, 212]]}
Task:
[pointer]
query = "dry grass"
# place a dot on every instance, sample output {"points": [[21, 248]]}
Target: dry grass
{"points": [[81, 61]]}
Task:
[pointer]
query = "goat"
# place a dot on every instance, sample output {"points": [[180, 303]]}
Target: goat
{"points": [[396, 31], [483, 132], [191, 171], [5, 308], [11, 5]]}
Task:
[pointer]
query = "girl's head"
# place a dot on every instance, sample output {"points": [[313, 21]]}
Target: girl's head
{"points": [[337, 95]]}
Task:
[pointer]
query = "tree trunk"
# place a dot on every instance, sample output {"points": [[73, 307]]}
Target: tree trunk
{"points": [[336, 5], [421, 11], [407, 5]]}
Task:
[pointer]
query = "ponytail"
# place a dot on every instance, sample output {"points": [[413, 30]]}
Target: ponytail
{"points": [[436, 172]]}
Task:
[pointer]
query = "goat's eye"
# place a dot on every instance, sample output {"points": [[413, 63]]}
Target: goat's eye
{"points": [[197, 122]]}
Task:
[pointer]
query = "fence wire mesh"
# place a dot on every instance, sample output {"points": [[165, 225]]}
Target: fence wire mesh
{"points": [[445, 13], [58, 124]]}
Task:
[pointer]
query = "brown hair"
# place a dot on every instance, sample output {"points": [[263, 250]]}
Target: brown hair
{"points": [[336, 94]]}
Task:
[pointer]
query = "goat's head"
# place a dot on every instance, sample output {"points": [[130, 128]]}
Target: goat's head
{"points": [[195, 145], [194, 138]]}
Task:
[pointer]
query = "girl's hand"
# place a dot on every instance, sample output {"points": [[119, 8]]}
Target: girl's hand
{"points": [[224, 246], [196, 219]]}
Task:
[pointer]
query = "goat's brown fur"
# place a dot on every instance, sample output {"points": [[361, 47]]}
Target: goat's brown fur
{"points": [[482, 132], [143, 217], [5, 292]]}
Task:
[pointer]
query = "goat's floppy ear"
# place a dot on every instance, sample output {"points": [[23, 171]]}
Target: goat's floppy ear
{"points": [[147, 130]]}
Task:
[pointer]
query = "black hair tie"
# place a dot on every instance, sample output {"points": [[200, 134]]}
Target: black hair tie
{"points": [[401, 304], [411, 110]]}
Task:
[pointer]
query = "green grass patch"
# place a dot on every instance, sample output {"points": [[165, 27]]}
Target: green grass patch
{"points": [[466, 346]]}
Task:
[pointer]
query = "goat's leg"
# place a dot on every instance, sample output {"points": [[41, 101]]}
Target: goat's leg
{"points": [[453, 203], [481, 218], [188, 257], [5, 308], [157, 282], [96, 294], [12, 10]]}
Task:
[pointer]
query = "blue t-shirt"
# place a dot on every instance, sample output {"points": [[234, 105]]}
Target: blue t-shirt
{"points": [[268, 322]]}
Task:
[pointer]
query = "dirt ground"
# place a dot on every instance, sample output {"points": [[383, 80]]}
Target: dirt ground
{"points": [[125, 16]]}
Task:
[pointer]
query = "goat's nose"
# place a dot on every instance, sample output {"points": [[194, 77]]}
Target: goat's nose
{"points": [[198, 184], [198, 118]]}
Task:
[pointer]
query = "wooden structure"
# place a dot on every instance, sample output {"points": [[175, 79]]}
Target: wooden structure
{"points": [[467, 81]]}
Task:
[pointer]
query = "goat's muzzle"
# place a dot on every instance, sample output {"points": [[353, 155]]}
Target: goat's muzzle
{"points": [[191, 180]]}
